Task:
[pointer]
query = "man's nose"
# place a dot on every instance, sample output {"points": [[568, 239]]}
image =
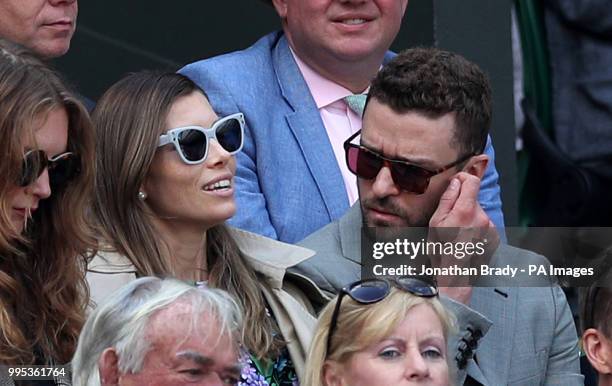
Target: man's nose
{"points": [[384, 185]]}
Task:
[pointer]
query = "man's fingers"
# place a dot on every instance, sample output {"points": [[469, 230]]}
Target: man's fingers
{"points": [[448, 199], [468, 197]]}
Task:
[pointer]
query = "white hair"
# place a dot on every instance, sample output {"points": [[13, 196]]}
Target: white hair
{"points": [[121, 321]]}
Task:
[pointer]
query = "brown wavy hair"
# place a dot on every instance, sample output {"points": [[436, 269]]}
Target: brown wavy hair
{"points": [[128, 120], [42, 285]]}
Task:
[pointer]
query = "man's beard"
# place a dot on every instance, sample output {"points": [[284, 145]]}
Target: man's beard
{"points": [[389, 206]]}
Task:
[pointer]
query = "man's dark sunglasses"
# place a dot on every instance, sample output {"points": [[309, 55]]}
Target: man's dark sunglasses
{"points": [[62, 168], [371, 291], [365, 163]]}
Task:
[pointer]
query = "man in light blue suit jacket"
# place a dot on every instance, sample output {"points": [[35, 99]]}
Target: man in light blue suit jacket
{"points": [[288, 182]]}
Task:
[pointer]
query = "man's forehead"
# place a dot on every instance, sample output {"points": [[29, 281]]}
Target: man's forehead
{"points": [[178, 320], [412, 136]]}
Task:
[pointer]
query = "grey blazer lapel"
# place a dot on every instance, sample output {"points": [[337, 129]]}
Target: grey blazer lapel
{"points": [[350, 234], [499, 305], [306, 125]]}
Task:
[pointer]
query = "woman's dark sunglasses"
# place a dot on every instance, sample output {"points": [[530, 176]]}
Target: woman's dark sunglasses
{"points": [[365, 163], [62, 168], [370, 291], [192, 142]]}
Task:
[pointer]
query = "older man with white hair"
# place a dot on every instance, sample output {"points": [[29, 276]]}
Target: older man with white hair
{"points": [[160, 332]]}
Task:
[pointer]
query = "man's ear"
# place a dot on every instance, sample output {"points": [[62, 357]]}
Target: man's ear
{"points": [[598, 350], [477, 165], [109, 367], [281, 7], [332, 373]]}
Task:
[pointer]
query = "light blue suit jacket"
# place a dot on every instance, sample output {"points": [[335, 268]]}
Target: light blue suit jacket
{"points": [[288, 183], [529, 334]]}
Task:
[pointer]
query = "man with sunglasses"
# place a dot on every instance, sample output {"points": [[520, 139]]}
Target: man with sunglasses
{"points": [[419, 162], [298, 90]]}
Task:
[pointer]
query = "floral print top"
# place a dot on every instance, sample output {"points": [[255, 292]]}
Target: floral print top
{"points": [[267, 373], [257, 372]]}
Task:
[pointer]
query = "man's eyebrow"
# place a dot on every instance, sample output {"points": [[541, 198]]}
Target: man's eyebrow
{"points": [[196, 357], [235, 369], [424, 162]]}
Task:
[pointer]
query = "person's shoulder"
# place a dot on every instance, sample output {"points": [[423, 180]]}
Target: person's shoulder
{"points": [[329, 238], [107, 261], [519, 256], [325, 239], [329, 268], [250, 59], [107, 271]]}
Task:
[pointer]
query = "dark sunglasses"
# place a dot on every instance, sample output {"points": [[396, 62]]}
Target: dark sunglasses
{"points": [[371, 291], [365, 163], [62, 168], [192, 142]]}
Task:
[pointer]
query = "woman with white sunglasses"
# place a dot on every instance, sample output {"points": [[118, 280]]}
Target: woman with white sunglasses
{"points": [[165, 185]]}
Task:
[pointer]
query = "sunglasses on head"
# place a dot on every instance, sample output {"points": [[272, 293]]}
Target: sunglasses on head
{"points": [[365, 163], [192, 142], [371, 291], [62, 168]]}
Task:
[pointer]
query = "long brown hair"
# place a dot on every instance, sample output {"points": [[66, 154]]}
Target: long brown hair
{"points": [[42, 286], [128, 119]]}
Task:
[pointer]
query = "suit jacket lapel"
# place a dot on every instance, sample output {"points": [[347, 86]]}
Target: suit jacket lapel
{"points": [[306, 125], [350, 233], [499, 305], [474, 371]]}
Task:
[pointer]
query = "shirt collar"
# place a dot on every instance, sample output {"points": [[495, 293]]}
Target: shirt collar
{"points": [[323, 91]]}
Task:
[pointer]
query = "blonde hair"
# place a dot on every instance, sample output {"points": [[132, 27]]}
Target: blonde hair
{"points": [[42, 285], [359, 326]]}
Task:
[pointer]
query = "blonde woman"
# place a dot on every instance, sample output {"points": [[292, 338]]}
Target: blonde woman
{"points": [[164, 188], [46, 145], [379, 333]]}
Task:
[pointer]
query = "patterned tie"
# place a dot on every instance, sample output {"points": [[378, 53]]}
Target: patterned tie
{"points": [[356, 102]]}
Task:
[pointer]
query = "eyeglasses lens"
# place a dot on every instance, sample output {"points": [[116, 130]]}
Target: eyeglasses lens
{"points": [[33, 165], [367, 165], [417, 287], [364, 163], [370, 291], [193, 144], [63, 169], [229, 135]]}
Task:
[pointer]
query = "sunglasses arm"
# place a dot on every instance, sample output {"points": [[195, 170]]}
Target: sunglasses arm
{"points": [[164, 139]]}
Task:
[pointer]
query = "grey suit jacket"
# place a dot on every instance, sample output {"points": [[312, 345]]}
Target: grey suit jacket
{"points": [[532, 338]]}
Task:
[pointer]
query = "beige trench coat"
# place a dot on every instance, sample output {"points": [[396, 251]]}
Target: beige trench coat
{"points": [[291, 297]]}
